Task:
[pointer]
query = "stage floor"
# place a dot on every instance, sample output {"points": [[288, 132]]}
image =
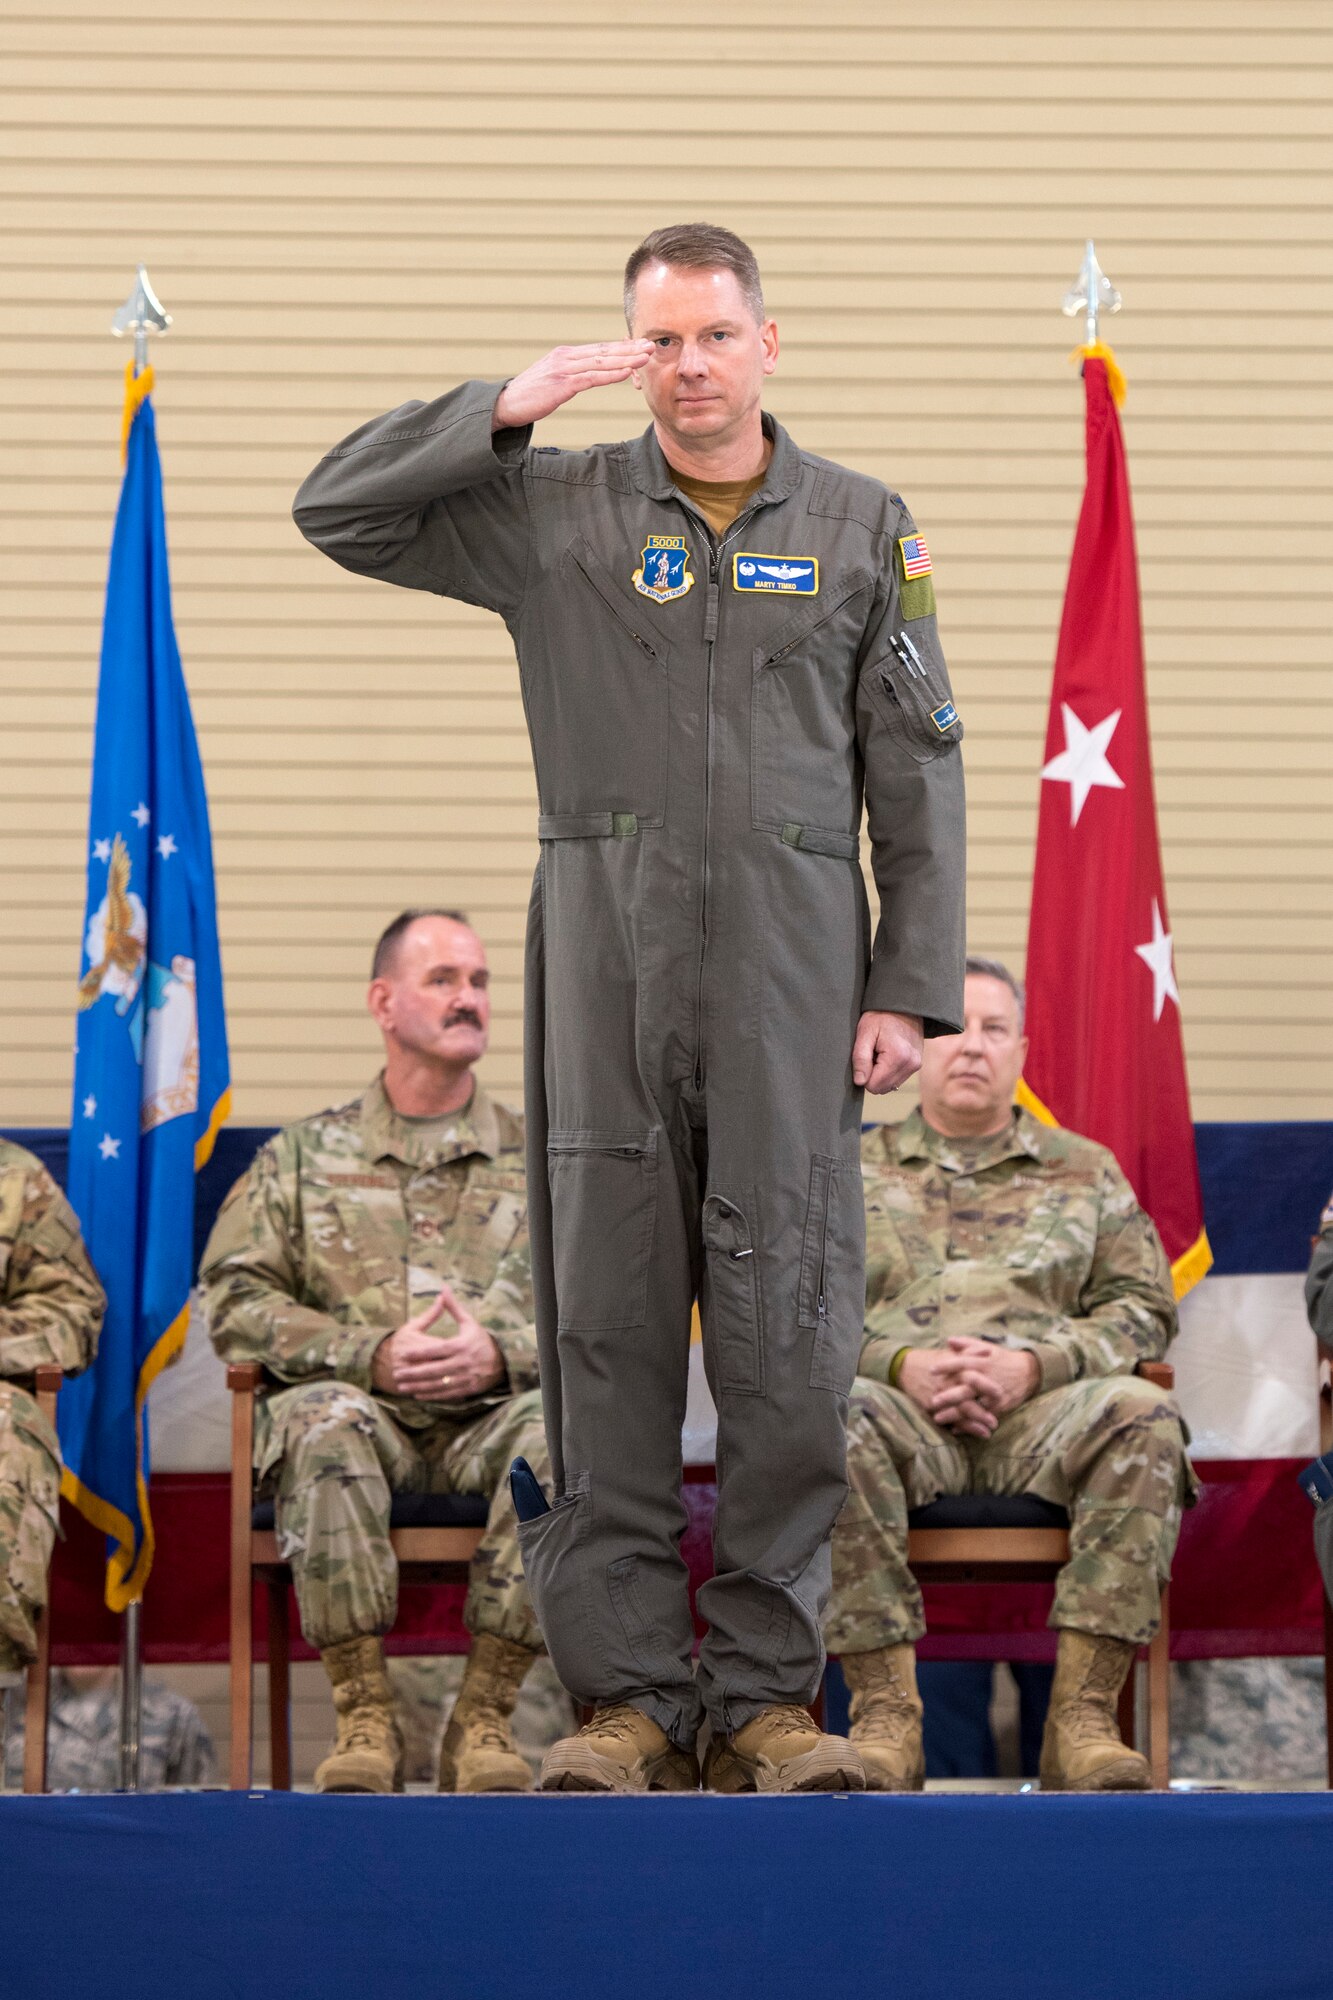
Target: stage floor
{"points": [[947, 1897]]}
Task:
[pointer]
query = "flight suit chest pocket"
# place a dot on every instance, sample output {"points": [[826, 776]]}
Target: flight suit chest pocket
{"points": [[731, 1302], [803, 758], [832, 1291], [603, 1214], [598, 706]]}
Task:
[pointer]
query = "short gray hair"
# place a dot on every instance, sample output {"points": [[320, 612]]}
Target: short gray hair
{"points": [[995, 968]]}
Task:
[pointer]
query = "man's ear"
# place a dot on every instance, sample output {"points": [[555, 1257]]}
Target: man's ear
{"points": [[379, 1002]]}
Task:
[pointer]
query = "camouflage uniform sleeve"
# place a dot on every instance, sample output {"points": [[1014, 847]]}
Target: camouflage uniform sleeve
{"points": [[52, 1306], [1127, 1306], [255, 1285], [506, 1311], [1318, 1290]]}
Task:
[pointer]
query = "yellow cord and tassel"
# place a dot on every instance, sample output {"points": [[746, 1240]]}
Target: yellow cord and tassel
{"points": [[1115, 374], [138, 388]]}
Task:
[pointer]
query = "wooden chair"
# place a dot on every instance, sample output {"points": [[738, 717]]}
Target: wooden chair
{"points": [[434, 1537], [981, 1538], [46, 1388]]}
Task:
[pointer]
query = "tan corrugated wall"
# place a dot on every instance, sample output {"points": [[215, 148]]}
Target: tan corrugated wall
{"points": [[347, 204]]}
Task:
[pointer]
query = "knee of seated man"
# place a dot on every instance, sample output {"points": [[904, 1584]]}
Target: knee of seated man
{"points": [[314, 1415], [1131, 1407]]}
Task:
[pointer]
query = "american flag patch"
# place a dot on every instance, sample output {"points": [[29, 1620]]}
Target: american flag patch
{"points": [[916, 556]]}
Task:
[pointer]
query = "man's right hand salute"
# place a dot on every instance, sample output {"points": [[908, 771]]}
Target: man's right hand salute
{"points": [[563, 374]]}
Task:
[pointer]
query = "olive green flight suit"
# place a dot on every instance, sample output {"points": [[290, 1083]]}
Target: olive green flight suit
{"points": [[706, 721]]}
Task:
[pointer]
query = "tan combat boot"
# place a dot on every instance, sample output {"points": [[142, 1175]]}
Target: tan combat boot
{"points": [[886, 1717], [783, 1749], [620, 1750], [1082, 1749], [367, 1755], [478, 1752]]}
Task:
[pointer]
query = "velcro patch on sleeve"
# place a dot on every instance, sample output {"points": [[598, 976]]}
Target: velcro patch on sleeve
{"points": [[916, 588]]}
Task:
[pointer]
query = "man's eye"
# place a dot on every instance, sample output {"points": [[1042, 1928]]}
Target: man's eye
{"points": [[719, 336], [663, 341]]}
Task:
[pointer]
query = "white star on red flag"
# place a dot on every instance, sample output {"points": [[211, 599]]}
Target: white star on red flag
{"points": [[1083, 761], [1157, 955]]}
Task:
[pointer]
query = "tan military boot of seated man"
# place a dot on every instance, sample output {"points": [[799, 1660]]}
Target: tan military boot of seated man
{"points": [[783, 1749], [620, 1750], [1082, 1749], [367, 1754], [886, 1717], [478, 1753]]}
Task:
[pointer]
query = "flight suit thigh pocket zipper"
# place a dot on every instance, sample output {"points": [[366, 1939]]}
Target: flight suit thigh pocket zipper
{"points": [[604, 1212], [732, 1303], [831, 1297]]}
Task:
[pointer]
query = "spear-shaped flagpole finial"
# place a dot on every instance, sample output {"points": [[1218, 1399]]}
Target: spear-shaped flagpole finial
{"points": [[141, 314], [1093, 294]]}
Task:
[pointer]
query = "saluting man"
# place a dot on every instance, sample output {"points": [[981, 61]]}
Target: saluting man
{"points": [[726, 645]]}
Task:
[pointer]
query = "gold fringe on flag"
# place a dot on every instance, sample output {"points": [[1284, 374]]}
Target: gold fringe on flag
{"points": [[1115, 374], [137, 389]]}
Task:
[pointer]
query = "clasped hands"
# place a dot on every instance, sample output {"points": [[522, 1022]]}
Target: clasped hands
{"points": [[969, 1384], [413, 1361]]}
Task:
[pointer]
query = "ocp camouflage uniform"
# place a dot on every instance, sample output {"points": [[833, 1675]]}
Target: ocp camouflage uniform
{"points": [[51, 1308], [344, 1227], [1031, 1238], [1319, 1307]]}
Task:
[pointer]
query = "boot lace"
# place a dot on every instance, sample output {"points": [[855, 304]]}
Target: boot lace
{"points": [[621, 1722], [788, 1718]]}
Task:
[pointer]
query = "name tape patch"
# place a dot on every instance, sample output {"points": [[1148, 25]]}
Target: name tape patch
{"points": [[915, 556], [944, 717], [792, 576], [664, 571]]}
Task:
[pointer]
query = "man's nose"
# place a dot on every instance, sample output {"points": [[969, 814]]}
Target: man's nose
{"points": [[693, 360]]}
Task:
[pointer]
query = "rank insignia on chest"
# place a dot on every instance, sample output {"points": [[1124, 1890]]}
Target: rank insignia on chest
{"points": [[664, 568], [790, 576], [915, 556]]}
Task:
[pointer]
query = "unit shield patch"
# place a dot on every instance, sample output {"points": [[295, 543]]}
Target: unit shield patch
{"points": [[793, 576], [944, 717], [664, 568]]}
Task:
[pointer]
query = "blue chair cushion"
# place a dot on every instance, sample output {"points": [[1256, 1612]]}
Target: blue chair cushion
{"points": [[988, 1510], [412, 1510]]}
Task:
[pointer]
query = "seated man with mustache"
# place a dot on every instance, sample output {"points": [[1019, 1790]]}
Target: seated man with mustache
{"points": [[1013, 1285], [375, 1260]]}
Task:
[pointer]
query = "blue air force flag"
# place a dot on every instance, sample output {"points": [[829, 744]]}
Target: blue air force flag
{"points": [[151, 1073]]}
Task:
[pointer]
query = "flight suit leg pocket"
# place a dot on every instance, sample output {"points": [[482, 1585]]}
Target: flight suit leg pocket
{"points": [[732, 1304], [832, 1295], [557, 1563], [603, 1214]]}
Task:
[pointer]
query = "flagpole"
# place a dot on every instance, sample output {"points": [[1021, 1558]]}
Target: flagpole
{"points": [[141, 314]]}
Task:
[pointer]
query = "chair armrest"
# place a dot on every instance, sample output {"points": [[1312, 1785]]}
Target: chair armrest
{"points": [[46, 1387], [1160, 1373]]}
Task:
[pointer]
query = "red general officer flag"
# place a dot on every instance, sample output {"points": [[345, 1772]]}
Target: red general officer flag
{"points": [[1106, 1055]]}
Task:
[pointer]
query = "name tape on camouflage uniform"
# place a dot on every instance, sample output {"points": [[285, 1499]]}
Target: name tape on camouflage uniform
{"points": [[792, 576]]}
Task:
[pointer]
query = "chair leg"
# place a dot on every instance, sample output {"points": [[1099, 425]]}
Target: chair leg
{"points": [[1328, 1683], [1159, 1698], [279, 1686], [242, 1675], [35, 1714], [1127, 1707]]}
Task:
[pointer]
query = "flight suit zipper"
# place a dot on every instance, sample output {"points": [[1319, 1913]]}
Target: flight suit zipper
{"points": [[712, 608]]}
